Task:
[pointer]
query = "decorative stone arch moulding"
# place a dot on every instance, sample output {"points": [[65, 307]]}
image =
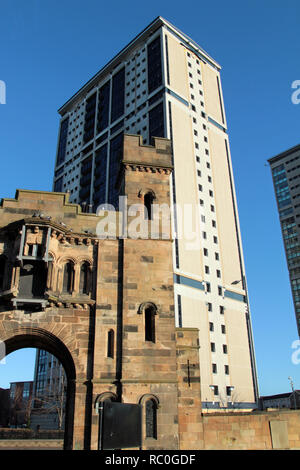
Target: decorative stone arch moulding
{"points": [[84, 259], [143, 191], [148, 304], [105, 396], [149, 396]]}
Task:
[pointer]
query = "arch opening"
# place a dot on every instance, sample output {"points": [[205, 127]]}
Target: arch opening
{"points": [[59, 399]]}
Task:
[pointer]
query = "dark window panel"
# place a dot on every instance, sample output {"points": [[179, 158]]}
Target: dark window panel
{"points": [[115, 157], [100, 176], [90, 112], [103, 107], [154, 65], [62, 141], [156, 122], [118, 95]]}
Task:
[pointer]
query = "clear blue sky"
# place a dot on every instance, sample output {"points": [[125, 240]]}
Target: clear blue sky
{"points": [[49, 49]]}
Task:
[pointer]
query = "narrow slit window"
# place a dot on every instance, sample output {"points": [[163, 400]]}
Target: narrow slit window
{"points": [[68, 278], [83, 283], [110, 343], [148, 201], [151, 419], [150, 324]]}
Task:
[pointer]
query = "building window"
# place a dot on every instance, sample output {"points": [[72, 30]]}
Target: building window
{"points": [[211, 326], [226, 368], [225, 348], [62, 141], [154, 65], [110, 343], [150, 324], [83, 282], [151, 419], [58, 185], [118, 95], [156, 122], [223, 329], [148, 201], [214, 368], [222, 309], [212, 347], [68, 279], [90, 113]]}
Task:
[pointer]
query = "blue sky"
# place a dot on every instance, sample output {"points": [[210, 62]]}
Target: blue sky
{"points": [[49, 49]]}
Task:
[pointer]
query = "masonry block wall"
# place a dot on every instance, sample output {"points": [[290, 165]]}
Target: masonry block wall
{"points": [[252, 431], [104, 305]]}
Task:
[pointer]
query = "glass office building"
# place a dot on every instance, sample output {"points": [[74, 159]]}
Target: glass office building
{"points": [[285, 169]]}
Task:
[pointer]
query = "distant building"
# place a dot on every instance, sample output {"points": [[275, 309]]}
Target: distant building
{"points": [[4, 407], [285, 169], [283, 400], [49, 392], [20, 394]]}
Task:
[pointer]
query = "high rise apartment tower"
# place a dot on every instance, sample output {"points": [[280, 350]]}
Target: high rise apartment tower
{"points": [[285, 169], [163, 84]]}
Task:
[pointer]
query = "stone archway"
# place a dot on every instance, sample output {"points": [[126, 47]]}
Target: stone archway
{"points": [[42, 339]]}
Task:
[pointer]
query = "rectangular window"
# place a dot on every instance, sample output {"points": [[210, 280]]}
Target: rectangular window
{"points": [[179, 311], [58, 185], [103, 107], [156, 122], [118, 95], [225, 348], [226, 368], [214, 368], [90, 112], [99, 191], [63, 135], [115, 157], [154, 65], [211, 326], [212, 347]]}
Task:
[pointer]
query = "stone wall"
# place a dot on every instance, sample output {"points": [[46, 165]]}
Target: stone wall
{"points": [[252, 431]]}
